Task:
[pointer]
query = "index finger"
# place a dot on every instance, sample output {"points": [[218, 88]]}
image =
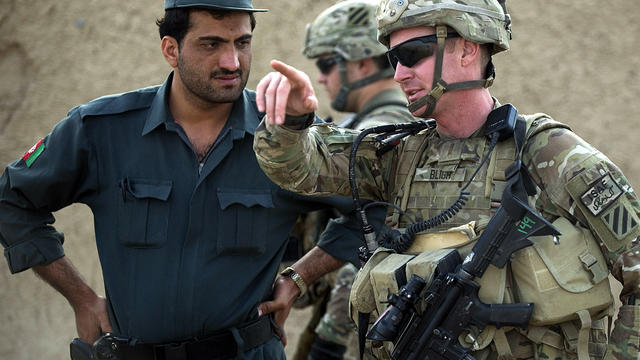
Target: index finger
{"points": [[294, 75]]}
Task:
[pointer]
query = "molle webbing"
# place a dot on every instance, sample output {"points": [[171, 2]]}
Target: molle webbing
{"points": [[503, 155]]}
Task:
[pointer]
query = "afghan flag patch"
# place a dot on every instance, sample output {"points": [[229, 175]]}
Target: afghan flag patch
{"points": [[30, 156]]}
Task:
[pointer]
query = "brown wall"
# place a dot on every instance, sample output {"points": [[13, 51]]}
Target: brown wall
{"points": [[578, 63]]}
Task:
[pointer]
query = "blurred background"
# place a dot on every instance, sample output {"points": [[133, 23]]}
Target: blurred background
{"points": [[576, 61]]}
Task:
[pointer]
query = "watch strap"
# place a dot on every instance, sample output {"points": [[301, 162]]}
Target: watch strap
{"points": [[291, 273]]}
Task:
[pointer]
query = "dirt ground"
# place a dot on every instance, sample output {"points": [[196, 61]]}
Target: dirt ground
{"points": [[577, 61]]}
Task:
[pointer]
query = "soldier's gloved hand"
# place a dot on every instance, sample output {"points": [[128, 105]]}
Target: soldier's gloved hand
{"points": [[287, 91]]}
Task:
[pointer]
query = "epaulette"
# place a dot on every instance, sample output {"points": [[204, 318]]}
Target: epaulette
{"points": [[537, 123], [117, 103]]}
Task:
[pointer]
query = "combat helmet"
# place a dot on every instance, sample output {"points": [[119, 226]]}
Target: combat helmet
{"points": [[348, 30], [479, 21]]}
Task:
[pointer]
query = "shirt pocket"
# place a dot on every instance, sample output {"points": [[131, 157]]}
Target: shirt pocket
{"points": [[244, 221], [143, 212]]}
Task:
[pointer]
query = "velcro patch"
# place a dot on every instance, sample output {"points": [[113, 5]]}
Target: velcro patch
{"points": [[602, 193], [440, 174], [30, 156], [620, 221]]}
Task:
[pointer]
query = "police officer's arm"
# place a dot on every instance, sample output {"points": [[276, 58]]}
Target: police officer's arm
{"points": [[310, 267], [89, 308], [56, 173], [595, 193]]}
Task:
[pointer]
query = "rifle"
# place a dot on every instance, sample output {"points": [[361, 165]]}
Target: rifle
{"points": [[453, 308]]}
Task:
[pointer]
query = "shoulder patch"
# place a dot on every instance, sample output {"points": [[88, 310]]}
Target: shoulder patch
{"points": [[32, 154], [601, 194], [620, 220]]}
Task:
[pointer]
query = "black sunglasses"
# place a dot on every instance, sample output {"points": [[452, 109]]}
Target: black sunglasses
{"points": [[325, 65], [413, 50]]}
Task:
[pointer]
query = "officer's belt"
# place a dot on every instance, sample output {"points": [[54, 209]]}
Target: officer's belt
{"points": [[221, 345]]}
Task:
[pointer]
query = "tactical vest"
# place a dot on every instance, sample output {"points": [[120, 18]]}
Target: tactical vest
{"points": [[429, 175]]}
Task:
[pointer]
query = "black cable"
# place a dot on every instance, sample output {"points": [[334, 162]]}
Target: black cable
{"points": [[392, 129], [402, 242], [384, 203]]}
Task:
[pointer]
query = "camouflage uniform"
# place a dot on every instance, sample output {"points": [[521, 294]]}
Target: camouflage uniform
{"points": [[571, 178], [348, 31], [336, 325]]}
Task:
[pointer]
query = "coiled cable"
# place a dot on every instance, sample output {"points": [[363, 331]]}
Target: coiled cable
{"points": [[393, 239]]}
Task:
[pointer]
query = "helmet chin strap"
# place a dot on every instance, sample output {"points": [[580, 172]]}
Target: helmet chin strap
{"points": [[345, 86], [439, 86]]}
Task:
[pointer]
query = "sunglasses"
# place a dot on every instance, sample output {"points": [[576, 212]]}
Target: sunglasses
{"points": [[413, 50], [325, 65]]}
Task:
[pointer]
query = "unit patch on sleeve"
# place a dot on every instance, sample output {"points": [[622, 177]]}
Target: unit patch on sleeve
{"points": [[602, 193], [620, 220], [36, 150]]}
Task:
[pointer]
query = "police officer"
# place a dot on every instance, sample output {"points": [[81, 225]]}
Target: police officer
{"points": [[358, 78], [189, 231], [441, 51]]}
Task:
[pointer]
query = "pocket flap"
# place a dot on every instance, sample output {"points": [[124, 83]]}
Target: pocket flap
{"points": [[147, 188], [246, 197], [564, 260]]}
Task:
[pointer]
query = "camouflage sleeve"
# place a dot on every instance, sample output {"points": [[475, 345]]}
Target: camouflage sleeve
{"points": [[315, 161], [582, 184], [385, 117]]}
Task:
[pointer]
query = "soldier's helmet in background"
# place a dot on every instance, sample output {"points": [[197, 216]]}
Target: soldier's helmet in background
{"points": [[347, 28]]}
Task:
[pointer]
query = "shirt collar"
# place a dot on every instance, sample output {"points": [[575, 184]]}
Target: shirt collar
{"points": [[244, 117], [159, 113]]}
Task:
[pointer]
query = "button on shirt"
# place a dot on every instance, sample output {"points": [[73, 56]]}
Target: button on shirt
{"points": [[186, 248]]}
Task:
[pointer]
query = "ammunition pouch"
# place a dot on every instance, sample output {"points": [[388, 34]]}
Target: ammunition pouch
{"points": [[573, 273]]}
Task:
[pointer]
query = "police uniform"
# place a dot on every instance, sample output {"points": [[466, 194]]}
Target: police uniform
{"points": [[188, 249]]}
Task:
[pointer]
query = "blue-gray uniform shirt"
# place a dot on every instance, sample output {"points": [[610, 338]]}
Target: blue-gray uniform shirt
{"points": [[186, 248]]}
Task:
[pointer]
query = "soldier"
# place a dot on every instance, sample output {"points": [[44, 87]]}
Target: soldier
{"points": [[441, 51], [358, 78]]}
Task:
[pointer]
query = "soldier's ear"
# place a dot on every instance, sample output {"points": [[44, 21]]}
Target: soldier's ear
{"points": [[366, 66], [470, 51], [170, 50]]}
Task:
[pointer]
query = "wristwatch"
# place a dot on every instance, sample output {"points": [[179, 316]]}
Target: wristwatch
{"points": [[290, 272]]}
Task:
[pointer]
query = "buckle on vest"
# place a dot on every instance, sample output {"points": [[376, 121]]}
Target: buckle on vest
{"points": [[591, 264]]}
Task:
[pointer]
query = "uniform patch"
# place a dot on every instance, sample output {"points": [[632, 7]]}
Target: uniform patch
{"points": [[30, 156], [620, 220], [602, 193], [358, 16], [439, 174]]}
